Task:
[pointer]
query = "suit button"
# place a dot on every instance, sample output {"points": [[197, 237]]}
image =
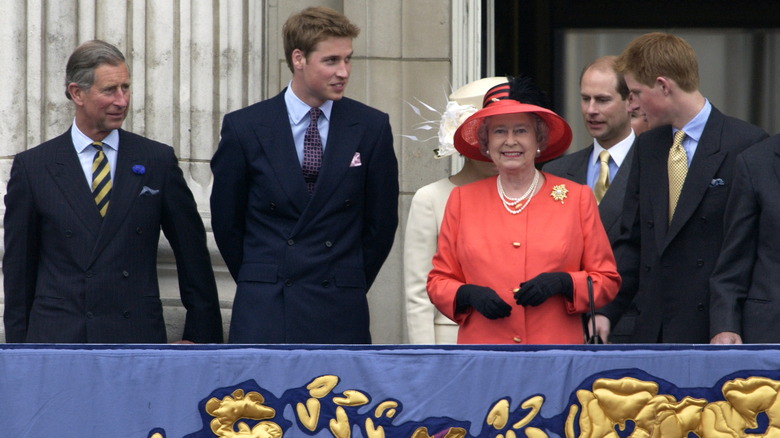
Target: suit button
{"points": [[328, 243], [125, 274], [272, 206], [290, 242], [347, 203], [700, 307], [68, 233], [126, 315], [139, 230], [647, 268], [650, 224], [90, 274], [700, 263], [325, 283], [90, 315], [288, 282], [703, 218]]}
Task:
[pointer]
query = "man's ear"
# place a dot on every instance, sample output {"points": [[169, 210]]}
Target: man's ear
{"points": [[665, 84], [76, 93], [298, 59]]}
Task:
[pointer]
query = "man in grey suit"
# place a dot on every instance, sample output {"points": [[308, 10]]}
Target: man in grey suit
{"points": [[681, 174], [604, 105], [82, 224]]}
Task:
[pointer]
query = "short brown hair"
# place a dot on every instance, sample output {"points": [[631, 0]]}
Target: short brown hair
{"points": [[660, 54], [308, 27]]}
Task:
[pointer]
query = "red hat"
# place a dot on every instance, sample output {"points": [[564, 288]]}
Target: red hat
{"points": [[497, 103]]}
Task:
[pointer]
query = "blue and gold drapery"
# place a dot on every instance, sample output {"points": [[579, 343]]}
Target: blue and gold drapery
{"points": [[389, 391]]}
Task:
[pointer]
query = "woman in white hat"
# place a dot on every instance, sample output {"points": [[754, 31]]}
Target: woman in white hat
{"points": [[515, 250]]}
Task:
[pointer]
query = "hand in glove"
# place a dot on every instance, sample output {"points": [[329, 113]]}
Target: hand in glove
{"points": [[536, 290], [483, 299]]}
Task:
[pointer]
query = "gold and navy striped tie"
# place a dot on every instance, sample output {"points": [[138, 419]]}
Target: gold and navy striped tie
{"points": [[101, 179]]}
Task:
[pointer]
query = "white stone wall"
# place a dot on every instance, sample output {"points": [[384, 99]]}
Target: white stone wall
{"points": [[193, 60]]}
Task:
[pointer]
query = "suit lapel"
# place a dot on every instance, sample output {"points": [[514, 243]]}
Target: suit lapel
{"points": [[611, 206], [656, 168], [126, 186], [578, 169], [274, 136], [342, 143], [69, 178], [706, 161]]}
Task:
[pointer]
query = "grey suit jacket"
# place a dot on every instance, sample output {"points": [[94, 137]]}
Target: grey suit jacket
{"points": [[72, 276], [575, 167], [745, 297], [666, 267]]}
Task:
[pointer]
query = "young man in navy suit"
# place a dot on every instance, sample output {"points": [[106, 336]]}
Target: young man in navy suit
{"points": [[305, 197], [82, 224], [681, 174]]}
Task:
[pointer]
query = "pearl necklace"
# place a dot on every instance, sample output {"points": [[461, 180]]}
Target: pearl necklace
{"points": [[511, 203]]}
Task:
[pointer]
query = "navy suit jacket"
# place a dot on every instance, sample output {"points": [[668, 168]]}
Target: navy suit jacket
{"points": [[72, 276], [575, 167], [744, 285], [303, 263], [666, 267]]}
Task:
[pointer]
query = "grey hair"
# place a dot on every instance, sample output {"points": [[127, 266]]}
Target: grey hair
{"points": [[85, 59], [541, 128]]}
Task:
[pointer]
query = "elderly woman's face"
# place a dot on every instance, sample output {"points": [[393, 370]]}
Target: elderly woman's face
{"points": [[512, 141]]}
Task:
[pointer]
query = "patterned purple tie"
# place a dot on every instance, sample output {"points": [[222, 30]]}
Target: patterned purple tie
{"points": [[312, 151]]}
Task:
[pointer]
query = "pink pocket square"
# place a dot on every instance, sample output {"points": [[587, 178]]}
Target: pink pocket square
{"points": [[356, 160]]}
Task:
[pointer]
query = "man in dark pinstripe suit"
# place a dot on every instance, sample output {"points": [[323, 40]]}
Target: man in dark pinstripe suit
{"points": [[82, 223]]}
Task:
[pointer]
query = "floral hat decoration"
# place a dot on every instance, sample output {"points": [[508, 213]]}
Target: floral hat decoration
{"points": [[462, 103], [503, 99]]}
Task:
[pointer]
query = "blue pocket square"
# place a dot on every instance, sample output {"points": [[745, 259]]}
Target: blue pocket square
{"points": [[717, 182], [146, 191]]}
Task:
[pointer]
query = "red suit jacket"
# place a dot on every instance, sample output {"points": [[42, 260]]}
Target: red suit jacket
{"points": [[481, 243]]}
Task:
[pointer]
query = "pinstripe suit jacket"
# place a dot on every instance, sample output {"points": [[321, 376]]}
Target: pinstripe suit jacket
{"points": [[71, 276]]}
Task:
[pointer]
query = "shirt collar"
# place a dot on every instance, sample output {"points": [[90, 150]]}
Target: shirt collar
{"points": [[298, 111], [81, 141], [617, 152], [695, 127]]}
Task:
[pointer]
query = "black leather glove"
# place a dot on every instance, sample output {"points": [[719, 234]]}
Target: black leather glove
{"points": [[536, 290], [483, 299]]}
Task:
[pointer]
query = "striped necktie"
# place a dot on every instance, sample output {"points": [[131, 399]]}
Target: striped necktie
{"points": [[678, 169], [101, 179]]}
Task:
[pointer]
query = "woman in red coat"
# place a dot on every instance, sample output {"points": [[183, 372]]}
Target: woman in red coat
{"points": [[515, 250]]}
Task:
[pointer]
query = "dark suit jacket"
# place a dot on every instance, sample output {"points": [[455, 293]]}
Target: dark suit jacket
{"points": [[72, 276], [303, 264], [575, 167], [666, 267], [744, 286]]}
